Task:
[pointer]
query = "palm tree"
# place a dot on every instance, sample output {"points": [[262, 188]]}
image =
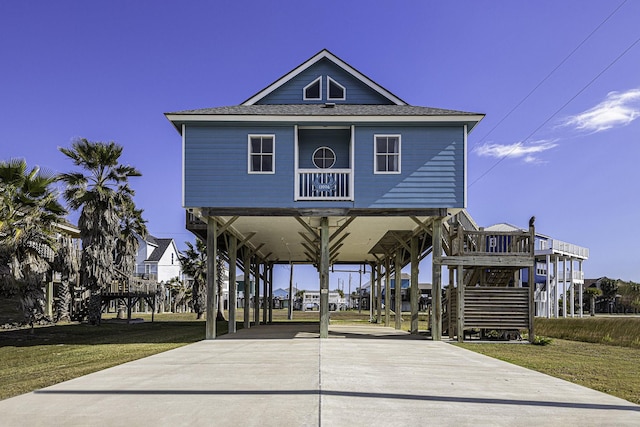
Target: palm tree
{"points": [[132, 225], [28, 210], [180, 294], [194, 264], [67, 263], [98, 194]]}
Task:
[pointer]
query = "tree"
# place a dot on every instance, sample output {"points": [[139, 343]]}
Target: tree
{"points": [[194, 264], [180, 294], [592, 293], [609, 288], [132, 225], [67, 263], [28, 210], [100, 194]]}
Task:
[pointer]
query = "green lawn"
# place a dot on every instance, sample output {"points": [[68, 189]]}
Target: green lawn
{"points": [[57, 353]]}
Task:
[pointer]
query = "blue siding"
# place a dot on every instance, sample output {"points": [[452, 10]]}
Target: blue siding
{"points": [[357, 92], [216, 167], [432, 168]]}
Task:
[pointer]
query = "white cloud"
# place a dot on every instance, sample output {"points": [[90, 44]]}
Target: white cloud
{"points": [[618, 109], [527, 152]]}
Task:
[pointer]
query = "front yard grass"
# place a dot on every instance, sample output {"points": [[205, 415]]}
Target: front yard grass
{"points": [[611, 369]]}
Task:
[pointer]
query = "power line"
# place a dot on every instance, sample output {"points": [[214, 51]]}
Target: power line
{"points": [[549, 75], [559, 109]]}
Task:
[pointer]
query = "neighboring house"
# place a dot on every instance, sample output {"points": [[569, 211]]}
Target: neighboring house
{"points": [[558, 271], [325, 166], [157, 259], [311, 301]]}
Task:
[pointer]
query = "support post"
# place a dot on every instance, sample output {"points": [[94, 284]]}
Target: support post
{"points": [[436, 327], [556, 303], [372, 293], [572, 293], [212, 297], [379, 293], [247, 288], [548, 261], [265, 295], [580, 290], [532, 280], [398, 290], [256, 297], [290, 308], [415, 291], [460, 304], [49, 297], [564, 287], [387, 293], [270, 292], [324, 277], [233, 284]]}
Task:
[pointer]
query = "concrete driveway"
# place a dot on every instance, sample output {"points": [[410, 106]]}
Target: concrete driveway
{"points": [[283, 375]]}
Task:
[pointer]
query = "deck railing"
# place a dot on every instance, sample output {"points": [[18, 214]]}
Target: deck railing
{"points": [[558, 246], [332, 184], [133, 287], [468, 242]]}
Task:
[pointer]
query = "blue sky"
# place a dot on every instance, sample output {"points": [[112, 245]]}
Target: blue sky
{"points": [[559, 83]]}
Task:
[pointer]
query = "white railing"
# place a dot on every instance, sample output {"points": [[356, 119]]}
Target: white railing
{"points": [[566, 275], [558, 246], [331, 184]]}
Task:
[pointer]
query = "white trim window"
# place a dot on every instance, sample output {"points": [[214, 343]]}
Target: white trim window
{"points": [[324, 158], [262, 149], [313, 91], [335, 91], [386, 153]]}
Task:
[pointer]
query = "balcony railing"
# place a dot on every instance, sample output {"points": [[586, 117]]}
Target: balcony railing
{"points": [[332, 184], [558, 246]]}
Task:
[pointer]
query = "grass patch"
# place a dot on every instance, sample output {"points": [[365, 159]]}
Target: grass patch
{"points": [[58, 353], [611, 369], [618, 331]]}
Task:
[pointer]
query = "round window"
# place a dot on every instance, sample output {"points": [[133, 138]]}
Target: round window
{"points": [[324, 158]]}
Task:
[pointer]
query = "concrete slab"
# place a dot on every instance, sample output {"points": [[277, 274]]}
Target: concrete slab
{"points": [[283, 375]]}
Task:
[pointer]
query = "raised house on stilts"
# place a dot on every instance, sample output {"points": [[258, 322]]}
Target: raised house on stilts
{"points": [[325, 166]]}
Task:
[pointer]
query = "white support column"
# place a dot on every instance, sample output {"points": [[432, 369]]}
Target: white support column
{"points": [[548, 286], [564, 287], [580, 290], [256, 297], [556, 304], [387, 292], [436, 273], [398, 291], [270, 292], [572, 290], [379, 293]]}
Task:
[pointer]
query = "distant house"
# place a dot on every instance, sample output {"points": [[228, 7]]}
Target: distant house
{"points": [[558, 270], [157, 259], [311, 301]]}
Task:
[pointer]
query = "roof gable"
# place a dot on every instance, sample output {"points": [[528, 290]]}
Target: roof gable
{"points": [[289, 88], [157, 253]]}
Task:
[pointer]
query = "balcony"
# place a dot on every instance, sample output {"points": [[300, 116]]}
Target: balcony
{"points": [[332, 184], [553, 246]]}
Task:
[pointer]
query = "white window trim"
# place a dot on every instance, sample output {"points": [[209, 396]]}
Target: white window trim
{"points": [[344, 90], [324, 147], [375, 154], [249, 153], [304, 90]]}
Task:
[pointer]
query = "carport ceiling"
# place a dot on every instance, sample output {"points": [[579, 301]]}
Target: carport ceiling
{"points": [[280, 237]]}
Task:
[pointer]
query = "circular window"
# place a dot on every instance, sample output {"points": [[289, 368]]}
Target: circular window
{"points": [[324, 158]]}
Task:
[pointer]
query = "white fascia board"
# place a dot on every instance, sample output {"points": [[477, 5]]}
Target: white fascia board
{"points": [[182, 118], [324, 54]]}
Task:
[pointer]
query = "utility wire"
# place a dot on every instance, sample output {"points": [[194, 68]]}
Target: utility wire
{"points": [[559, 109], [550, 74]]}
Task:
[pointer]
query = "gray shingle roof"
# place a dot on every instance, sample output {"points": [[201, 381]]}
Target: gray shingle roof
{"points": [[157, 253], [322, 110]]}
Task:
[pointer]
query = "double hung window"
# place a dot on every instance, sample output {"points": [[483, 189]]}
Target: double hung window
{"points": [[261, 153], [387, 153]]}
